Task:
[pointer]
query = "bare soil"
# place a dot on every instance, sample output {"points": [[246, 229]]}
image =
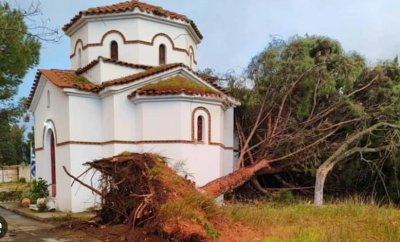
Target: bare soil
{"points": [[230, 232], [113, 233]]}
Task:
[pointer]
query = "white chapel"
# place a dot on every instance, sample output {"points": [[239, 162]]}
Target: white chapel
{"points": [[132, 86]]}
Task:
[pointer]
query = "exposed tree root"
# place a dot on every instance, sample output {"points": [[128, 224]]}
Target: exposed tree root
{"points": [[140, 190]]}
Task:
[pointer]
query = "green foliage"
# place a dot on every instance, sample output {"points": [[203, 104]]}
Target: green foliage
{"points": [[20, 146], [19, 51], [31, 138], [26, 194], [283, 197], [65, 218], [194, 202], [313, 96], [155, 172], [176, 84], [22, 180], [125, 153], [39, 189], [13, 149], [10, 196], [81, 80], [8, 155]]}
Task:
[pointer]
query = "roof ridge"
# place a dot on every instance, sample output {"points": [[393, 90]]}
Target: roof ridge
{"points": [[130, 6], [115, 62]]}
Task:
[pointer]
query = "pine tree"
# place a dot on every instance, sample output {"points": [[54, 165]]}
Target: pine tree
{"points": [[8, 154]]}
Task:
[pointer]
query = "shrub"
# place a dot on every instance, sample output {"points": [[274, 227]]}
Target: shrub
{"points": [[10, 196], [22, 180], [39, 189]]}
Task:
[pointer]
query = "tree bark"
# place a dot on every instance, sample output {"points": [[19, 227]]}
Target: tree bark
{"points": [[342, 153], [322, 173], [229, 182]]}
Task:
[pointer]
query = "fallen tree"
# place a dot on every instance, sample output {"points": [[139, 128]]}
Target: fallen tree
{"points": [[141, 190], [309, 106]]}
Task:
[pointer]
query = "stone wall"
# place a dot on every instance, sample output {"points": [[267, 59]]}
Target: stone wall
{"points": [[14, 173]]}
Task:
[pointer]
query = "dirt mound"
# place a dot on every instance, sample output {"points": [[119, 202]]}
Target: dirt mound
{"points": [[140, 192]]}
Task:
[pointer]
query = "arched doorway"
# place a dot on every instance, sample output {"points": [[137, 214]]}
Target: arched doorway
{"points": [[51, 161]]}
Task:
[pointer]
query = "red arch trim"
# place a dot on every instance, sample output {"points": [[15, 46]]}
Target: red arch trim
{"points": [[134, 42], [54, 131]]}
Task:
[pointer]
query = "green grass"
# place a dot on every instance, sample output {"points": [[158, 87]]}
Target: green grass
{"points": [[341, 222], [177, 84]]}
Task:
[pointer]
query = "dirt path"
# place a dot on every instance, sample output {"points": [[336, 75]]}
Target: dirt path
{"points": [[22, 229]]}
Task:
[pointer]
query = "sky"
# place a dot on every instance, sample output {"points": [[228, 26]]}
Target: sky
{"points": [[234, 31]]}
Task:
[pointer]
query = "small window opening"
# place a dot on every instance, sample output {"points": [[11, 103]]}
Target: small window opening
{"points": [[200, 129], [79, 58], [114, 50], [161, 55], [48, 98], [191, 61]]}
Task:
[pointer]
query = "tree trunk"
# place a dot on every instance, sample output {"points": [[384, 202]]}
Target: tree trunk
{"points": [[322, 173], [237, 178]]}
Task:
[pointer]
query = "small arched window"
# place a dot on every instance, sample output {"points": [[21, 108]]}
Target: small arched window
{"points": [[191, 61], [114, 50], [161, 54], [48, 98], [200, 129], [79, 58]]}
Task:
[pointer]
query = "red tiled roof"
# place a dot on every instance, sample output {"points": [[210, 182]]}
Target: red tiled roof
{"points": [[207, 78], [116, 62], [137, 76], [176, 85], [70, 79], [63, 79], [130, 6]]}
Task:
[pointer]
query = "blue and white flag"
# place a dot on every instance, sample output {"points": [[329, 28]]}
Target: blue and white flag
{"points": [[33, 164]]}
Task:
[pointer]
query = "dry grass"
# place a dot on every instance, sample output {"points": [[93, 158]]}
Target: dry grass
{"points": [[14, 186], [351, 220]]}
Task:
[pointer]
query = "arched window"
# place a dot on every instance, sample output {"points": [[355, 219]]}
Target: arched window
{"points": [[200, 129], [48, 98], [191, 61], [161, 55], [114, 50], [79, 58]]}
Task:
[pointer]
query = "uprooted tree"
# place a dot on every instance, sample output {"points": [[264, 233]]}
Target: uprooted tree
{"points": [[307, 104], [311, 105]]}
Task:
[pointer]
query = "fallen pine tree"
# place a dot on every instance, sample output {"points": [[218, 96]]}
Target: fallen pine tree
{"points": [[141, 190]]}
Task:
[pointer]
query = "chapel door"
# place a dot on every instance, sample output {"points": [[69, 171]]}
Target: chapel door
{"points": [[53, 167]]}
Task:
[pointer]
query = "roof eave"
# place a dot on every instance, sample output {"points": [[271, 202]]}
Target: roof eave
{"points": [[37, 92], [76, 26], [178, 97], [129, 14]]}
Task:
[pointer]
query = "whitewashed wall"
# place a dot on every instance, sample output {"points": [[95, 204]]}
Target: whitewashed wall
{"points": [[125, 113], [63, 158], [58, 112], [83, 198], [134, 29], [108, 118], [85, 124], [81, 34]]}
